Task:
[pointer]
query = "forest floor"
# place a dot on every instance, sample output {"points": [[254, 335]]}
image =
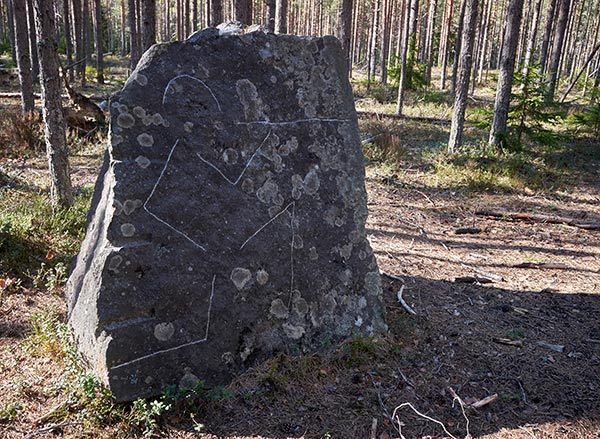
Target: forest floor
{"points": [[527, 330]]}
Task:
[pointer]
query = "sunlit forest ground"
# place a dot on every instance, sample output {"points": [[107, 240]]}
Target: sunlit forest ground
{"points": [[505, 309]]}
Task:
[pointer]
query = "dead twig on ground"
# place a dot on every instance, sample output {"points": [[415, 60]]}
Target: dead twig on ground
{"points": [[391, 276], [539, 218], [408, 404], [549, 265], [374, 429], [403, 303], [50, 428]]}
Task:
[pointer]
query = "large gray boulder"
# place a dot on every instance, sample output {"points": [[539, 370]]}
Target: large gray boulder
{"points": [[228, 222]]}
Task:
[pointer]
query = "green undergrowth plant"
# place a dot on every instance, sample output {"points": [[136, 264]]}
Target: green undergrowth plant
{"points": [[38, 240], [587, 120]]}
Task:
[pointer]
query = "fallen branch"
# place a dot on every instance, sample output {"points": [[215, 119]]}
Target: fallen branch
{"points": [[49, 428], [509, 342], [549, 265], [391, 276], [472, 280], [539, 218], [403, 303], [361, 113], [485, 401], [468, 230], [374, 429], [408, 404]]}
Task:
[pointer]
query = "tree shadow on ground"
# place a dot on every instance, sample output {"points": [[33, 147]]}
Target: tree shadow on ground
{"points": [[457, 340]]}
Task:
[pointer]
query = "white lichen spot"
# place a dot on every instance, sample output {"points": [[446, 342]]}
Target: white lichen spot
{"points": [[141, 79], [300, 307], [157, 119], [188, 381], [312, 254], [279, 309], [114, 262], [346, 251], [145, 140], [187, 127], [227, 358], [373, 283], [130, 205], [248, 186], [240, 277], [358, 322], [297, 186], [262, 277], [128, 230], [298, 242], [268, 192], [345, 276], [273, 79], [294, 332], [118, 207], [142, 162], [311, 182], [139, 111], [230, 156], [164, 331], [149, 380], [125, 120], [116, 140], [362, 255], [362, 303]]}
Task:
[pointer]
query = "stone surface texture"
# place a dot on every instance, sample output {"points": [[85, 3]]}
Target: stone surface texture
{"points": [[228, 222]]}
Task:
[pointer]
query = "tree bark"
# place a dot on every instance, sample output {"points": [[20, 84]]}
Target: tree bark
{"points": [[532, 39], [544, 51], [514, 15], [99, 41], [445, 40], [403, 57], [123, 31], [281, 12], [428, 49], [345, 32], [148, 24], [458, 46], [35, 64], [561, 27], [271, 15], [464, 75], [86, 40], [68, 38], [21, 32], [61, 191], [243, 11], [216, 12], [11, 30], [135, 54]]}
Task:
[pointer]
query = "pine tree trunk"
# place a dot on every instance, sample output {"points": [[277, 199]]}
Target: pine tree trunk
{"points": [[561, 27], [78, 34], [458, 46], [135, 54], [375, 32], [243, 11], [428, 51], [514, 15], [445, 41], [281, 12], [61, 192], [123, 31], [35, 64], [270, 15], [86, 40], [346, 27], [216, 12], [148, 24], [385, 41], [98, 41], [484, 41], [403, 57], [21, 31], [464, 74], [68, 38], [544, 51], [11, 31], [532, 39]]}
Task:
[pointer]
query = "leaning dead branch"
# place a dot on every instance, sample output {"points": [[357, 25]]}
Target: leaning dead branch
{"points": [[403, 302], [539, 218]]}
